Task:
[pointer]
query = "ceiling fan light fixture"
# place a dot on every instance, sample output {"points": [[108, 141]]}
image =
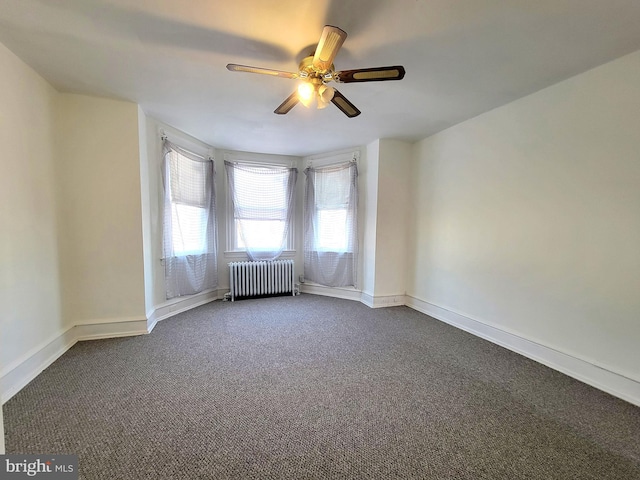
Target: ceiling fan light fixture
{"points": [[306, 93], [325, 94], [309, 102], [321, 103]]}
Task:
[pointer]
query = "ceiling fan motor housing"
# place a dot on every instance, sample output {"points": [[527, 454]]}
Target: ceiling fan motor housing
{"points": [[306, 70]]}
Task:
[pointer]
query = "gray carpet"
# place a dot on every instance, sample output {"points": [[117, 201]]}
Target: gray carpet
{"points": [[311, 387]]}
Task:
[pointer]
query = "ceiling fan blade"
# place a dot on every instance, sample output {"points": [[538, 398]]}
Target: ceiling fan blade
{"points": [[330, 42], [376, 74], [264, 71], [291, 101], [348, 108]]}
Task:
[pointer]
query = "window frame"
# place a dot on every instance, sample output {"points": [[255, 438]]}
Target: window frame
{"points": [[334, 160], [329, 160], [320, 161], [232, 249], [203, 156]]}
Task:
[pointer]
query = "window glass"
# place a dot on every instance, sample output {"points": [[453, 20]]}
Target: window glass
{"points": [[187, 229], [332, 230]]}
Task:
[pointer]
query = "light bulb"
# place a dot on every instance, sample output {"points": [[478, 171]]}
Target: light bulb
{"points": [[306, 93]]}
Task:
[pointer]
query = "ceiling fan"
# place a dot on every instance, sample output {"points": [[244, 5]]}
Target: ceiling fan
{"points": [[316, 70]]}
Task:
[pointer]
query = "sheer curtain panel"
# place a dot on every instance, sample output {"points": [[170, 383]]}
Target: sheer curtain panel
{"points": [[263, 199], [331, 225], [190, 227]]}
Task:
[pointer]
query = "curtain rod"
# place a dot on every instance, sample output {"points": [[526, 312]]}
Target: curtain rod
{"points": [[329, 160], [207, 156], [238, 160]]}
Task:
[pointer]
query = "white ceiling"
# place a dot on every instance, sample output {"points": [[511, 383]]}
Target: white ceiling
{"points": [[462, 57]]}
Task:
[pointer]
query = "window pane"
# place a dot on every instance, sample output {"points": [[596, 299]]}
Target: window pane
{"points": [[261, 191], [262, 234], [188, 229], [333, 189], [189, 181], [332, 230]]}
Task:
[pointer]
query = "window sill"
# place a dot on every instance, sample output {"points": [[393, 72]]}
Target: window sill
{"points": [[332, 252]]}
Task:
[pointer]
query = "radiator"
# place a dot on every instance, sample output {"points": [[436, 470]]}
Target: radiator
{"points": [[249, 279]]}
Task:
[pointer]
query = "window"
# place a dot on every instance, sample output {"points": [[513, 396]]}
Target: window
{"points": [[333, 223], [331, 239], [262, 199], [189, 238]]}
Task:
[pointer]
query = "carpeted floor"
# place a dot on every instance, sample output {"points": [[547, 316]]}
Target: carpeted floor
{"points": [[318, 388]]}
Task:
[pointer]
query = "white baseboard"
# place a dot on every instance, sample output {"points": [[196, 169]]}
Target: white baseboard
{"points": [[24, 369], [111, 329], [382, 301], [152, 321], [15, 376], [182, 304], [597, 376], [369, 300], [336, 292]]}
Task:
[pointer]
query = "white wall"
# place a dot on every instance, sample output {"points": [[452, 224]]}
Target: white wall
{"points": [[30, 305], [368, 190], [528, 218], [146, 187], [392, 219], [385, 190], [2, 451], [100, 210]]}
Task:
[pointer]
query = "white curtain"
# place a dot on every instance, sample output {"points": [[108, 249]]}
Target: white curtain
{"points": [[331, 225], [263, 200], [190, 227]]}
